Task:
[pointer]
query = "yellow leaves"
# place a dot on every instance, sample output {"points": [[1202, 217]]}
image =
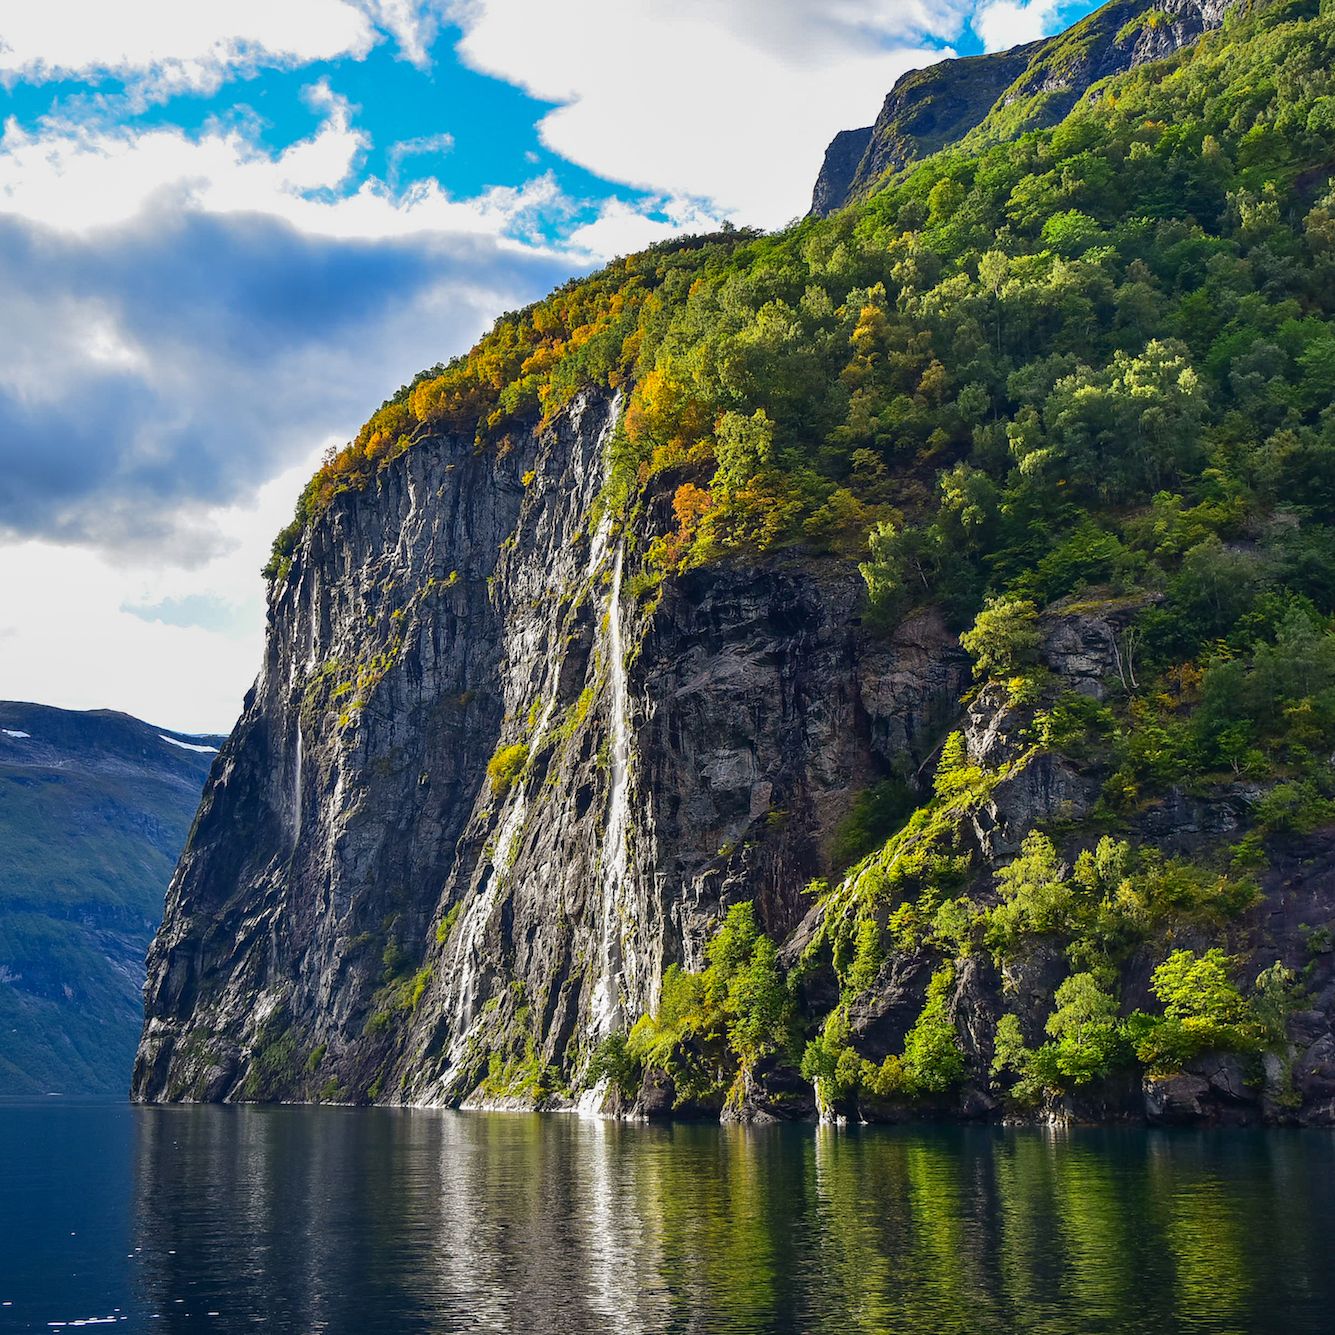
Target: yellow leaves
{"points": [[662, 410], [870, 333]]}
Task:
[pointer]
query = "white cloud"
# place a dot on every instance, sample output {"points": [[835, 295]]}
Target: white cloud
{"points": [[80, 179], [192, 45], [621, 228], [187, 316], [730, 102], [413, 25], [1002, 24], [427, 145]]}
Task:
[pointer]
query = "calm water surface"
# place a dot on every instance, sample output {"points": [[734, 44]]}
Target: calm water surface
{"points": [[365, 1220]]}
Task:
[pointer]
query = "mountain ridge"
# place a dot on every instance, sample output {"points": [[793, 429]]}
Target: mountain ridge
{"points": [[94, 808], [975, 99]]}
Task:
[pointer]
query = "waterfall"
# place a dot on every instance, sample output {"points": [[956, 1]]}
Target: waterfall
{"points": [[606, 1006], [296, 793]]}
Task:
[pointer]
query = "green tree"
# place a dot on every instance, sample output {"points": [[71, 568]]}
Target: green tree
{"points": [[933, 1061], [1004, 637]]}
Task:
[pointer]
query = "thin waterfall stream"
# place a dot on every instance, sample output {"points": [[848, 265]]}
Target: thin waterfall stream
{"points": [[606, 1006]]}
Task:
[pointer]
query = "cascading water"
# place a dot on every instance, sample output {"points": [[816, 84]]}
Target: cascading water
{"points": [[296, 794], [606, 1005]]}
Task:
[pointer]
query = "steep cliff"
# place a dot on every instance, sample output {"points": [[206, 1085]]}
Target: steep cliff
{"points": [[365, 910], [885, 668], [978, 99]]}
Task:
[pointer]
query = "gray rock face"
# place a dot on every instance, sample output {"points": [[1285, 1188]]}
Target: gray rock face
{"points": [[364, 911], [483, 794], [838, 170]]}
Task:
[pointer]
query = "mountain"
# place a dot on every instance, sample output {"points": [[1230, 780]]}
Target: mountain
{"points": [[884, 668], [94, 808], [979, 99]]}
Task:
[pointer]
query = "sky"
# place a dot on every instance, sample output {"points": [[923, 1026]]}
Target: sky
{"points": [[229, 231]]}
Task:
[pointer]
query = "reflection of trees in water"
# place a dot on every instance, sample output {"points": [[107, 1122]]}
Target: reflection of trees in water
{"points": [[723, 1202], [329, 1220]]}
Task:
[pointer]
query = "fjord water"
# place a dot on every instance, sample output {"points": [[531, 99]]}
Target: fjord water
{"points": [[294, 1219]]}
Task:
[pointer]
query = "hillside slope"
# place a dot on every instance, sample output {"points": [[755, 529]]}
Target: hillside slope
{"points": [[884, 668], [980, 99], [94, 808]]}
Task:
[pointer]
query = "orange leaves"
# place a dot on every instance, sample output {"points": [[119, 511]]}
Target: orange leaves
{"points": [[689, 506]]}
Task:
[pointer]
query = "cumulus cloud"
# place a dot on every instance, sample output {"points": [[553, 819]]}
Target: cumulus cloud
{"points": [[732, 102], [187, 312], [80, 632], [177, 360], [79, 178], [621, 228], [195, 46], [1002, 24], [428, 145]]}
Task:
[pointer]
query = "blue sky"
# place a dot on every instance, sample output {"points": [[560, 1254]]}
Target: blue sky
{"points": [[227, 233]]}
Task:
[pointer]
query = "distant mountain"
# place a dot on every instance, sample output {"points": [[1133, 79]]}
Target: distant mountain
{"points": [[94, 808], [981, 99]]}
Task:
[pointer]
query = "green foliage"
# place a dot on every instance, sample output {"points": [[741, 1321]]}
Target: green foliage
{"points": [[612, 1062], [274, 1060], [1004, 638], [1073, 724], [931, 1064], [1036, 897], [446, 924], [415, 989], [712, 1027], [933, 1061], [1203, 1011], [1029, 335], [1086, 1041], [525, 1078], [875, 815], [869, 954]]}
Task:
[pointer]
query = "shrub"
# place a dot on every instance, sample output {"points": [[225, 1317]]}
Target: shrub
{"points": [[875, 815], [505, 767], [1004, 638], [446, 924], [933, 1061], [1036, 898], [868, 956], [1203, 1011], [613, 1062]]}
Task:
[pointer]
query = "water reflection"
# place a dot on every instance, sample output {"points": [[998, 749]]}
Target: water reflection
{"points": [[340, 1220]]}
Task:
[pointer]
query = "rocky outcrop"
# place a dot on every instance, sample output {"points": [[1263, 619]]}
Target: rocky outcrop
{"points": [[482, 794], [1003, 94], [1292, 922], [925, 111], [838, 170]]}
